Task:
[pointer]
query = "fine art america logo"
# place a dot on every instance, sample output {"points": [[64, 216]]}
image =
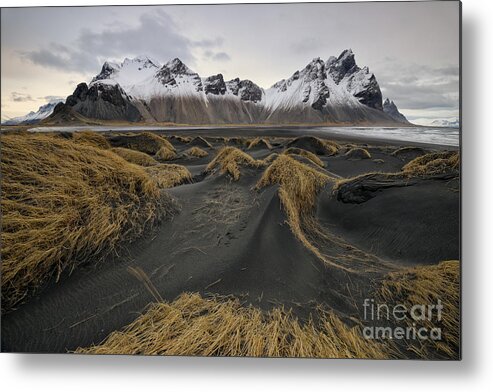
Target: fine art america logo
{"points": [[399, 321]]}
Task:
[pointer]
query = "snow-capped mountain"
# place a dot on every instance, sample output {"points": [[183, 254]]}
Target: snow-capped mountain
{"points": [[446, 123], [34, 117], [141, 89], [390, 108]]}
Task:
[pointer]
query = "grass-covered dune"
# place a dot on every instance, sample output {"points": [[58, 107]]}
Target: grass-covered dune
{"points": [[194, 325], [66, 202]]}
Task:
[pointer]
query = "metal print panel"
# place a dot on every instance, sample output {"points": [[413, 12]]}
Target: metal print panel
{"points": [[264, 180]]}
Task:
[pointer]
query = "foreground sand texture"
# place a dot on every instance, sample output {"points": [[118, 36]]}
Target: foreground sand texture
{"points": [[224, 243]]}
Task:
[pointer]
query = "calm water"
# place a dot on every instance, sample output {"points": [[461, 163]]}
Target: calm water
{"points": [[441, 136]]}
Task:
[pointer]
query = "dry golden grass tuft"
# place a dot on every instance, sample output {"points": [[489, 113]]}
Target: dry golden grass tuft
{"points": [[239, 141], [196, 152], [259, 142], [299, 151], [315, 145], [165, 154], [146, 142], [433, 163], [426, 285], [136, 157], [270, 158], [192, 325], [358, 153], [167, 175], [229, 160], [64, 203], [91, 138], [199, 141], [331, 147], [181, 139], [299, 185]]}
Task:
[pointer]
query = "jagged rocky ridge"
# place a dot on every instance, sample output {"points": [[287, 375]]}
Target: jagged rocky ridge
{"points": [[140, 89], [390, 108]]}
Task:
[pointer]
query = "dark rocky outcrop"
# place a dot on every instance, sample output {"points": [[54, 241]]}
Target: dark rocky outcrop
{"points": [[102, 101], [343, 65], [249, 91], [107, 70], [215, 85], [391, 110]]}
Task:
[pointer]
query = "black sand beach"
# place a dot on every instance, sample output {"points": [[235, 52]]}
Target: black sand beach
{"points": [[231, 239]]}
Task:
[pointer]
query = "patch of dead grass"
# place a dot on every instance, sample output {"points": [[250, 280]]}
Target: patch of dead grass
{"points": [[307, 154], [196, 152], [358, 153], [315, 145], [181, 139], [135, 157], [91, 138], [426, 285], [64, 203], [192, 325], [259, 142], [433, 163], [165, 154], [229, 160], [146, 142], [169, 175], [199, 141], [299, 186]]}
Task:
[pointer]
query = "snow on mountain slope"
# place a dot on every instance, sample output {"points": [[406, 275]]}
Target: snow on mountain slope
{"points": [[144, 79], [129, 73], [336, 90], [33, 117]]}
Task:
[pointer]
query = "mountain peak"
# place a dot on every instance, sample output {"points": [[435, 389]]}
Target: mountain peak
{"points": [[108, 69], [346, 52], [176, 66], [141, 61], [336, 90], [34, 117], [343, 65], [390, 109]]}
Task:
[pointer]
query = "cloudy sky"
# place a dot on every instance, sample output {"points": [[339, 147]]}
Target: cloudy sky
{"points": [[413, 48]]}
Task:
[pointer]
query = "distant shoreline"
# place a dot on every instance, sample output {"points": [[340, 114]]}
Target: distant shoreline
{"points": [[397, 138]]}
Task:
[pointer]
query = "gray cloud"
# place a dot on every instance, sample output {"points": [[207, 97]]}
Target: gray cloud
{"points": [[155, 35], [221, 56], [20, 97], [51, 98], [283, 37], [208, 43], [419, 86], [217, 56]]}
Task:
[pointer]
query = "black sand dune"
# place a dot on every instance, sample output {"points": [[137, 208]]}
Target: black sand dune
{"points": [[417, 224], [229, 239]]}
